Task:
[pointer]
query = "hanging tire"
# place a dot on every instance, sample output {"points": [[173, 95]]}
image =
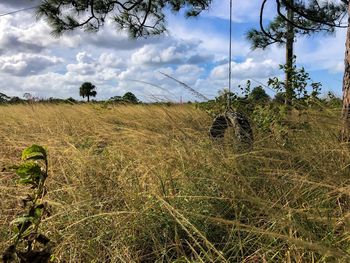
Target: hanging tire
{"points": [[239, 122], [217, 129]]}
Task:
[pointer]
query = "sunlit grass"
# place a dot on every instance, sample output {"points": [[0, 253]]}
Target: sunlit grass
{"points": [[146, 183]]}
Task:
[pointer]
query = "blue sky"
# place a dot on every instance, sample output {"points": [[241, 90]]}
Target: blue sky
{"points": [[194, 51]]}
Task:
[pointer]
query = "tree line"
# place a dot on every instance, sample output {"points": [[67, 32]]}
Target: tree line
{"points": [[86, 90]]}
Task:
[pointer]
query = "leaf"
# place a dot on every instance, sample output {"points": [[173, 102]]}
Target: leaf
{"points": [[26, 180], [28, 232], [38, 212], [21, 224], [29, 171], [34, 152], [22, 219]]}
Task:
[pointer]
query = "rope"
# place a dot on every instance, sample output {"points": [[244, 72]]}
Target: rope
{"points": [[230, 60]]}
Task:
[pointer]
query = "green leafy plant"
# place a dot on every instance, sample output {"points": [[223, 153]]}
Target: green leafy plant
{"points": [[300, 81], [271, 119], [27, 243]]}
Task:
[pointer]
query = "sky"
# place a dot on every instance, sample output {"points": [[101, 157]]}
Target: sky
{"points": [[194, 51]]}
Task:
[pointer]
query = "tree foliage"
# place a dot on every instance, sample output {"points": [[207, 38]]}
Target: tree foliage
{"points": [[309, 16], [87, 90], [300, 81], [137, 17], [130, 97], [258, 94], [127, 97], [277, 28], [4, 98]]}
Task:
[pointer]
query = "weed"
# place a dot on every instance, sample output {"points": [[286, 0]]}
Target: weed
{"points": [[28, 244]]}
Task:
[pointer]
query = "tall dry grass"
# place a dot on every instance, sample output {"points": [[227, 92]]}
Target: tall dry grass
{"points": [[146, 184]]}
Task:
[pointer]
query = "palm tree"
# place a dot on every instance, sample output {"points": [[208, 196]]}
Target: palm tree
{"points": [[87, 90]]}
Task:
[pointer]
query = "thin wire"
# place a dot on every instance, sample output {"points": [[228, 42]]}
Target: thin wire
{"points": [[20, 10], [230, 60]]}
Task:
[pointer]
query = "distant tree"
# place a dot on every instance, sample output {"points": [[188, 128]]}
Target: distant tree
{"points": [[54, 100], [137, 17], [16, 100], [28, 96], [130, 97], [258, 94], [4, 98], [87, 90], [116, 99], [71, 100]]}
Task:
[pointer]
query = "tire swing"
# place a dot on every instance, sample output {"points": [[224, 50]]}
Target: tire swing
{"points": [[240, 123], [242, 129]]}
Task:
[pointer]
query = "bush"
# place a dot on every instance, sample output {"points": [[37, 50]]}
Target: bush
{"points": [[259, 95]]}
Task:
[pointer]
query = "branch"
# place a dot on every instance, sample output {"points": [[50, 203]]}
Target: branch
{"points": [[290, 21], [308, 17], [146, 14], [123, 5], [139, 17], [262, 26]]}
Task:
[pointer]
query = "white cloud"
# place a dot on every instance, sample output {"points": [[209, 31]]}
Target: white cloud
{"points": [[111, 60], [84, 57], [247, 69], [27, 64], [170, 51], [326, 53], [208, 40], [22, 33], [100, 69]]}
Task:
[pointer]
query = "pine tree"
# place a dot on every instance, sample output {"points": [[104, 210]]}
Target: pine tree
{"points": [[137, 17], [295, 18]]}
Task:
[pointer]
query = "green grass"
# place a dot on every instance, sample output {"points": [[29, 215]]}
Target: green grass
{"points": [[146, 184]]}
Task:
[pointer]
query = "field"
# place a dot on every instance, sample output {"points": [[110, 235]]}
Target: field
{"points": [[146, 184]]}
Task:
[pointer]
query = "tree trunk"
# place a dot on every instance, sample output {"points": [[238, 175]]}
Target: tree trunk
{"points": [[345, 136], [289, 56], [88, 97]]}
